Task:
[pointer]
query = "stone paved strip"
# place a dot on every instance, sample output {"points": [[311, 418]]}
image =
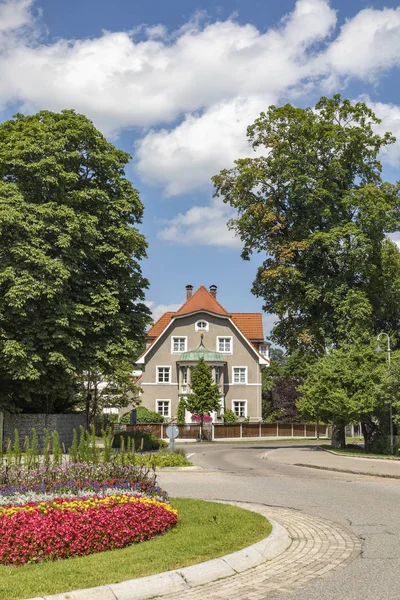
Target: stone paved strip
{"points": [[318, 548]]}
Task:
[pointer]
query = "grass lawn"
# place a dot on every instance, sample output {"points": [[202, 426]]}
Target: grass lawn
{"points": [[359, 452], [205, 530]]}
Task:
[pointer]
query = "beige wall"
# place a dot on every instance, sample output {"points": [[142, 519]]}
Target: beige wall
{"points": [[242, 356]]}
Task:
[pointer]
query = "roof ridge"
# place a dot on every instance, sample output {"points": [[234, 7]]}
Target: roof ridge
{"points": [[202, 287], [247, 313]]}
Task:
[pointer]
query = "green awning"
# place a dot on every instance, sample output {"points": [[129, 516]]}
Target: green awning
{"points": [[202, 352]]}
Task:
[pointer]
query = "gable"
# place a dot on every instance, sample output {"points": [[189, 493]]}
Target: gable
{"points": [[201, 300]]}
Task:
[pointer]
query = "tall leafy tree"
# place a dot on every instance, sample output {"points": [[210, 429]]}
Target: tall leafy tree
{"points": [[70, 279], [345, 386], [313, 202], [205, 397]]}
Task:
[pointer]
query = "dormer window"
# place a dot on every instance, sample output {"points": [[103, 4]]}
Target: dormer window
{"points": [[201, 326], [263, 349]]}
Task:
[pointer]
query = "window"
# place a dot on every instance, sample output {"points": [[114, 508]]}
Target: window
{"points": [[163, 374], [224, 345], [217, 376], [239, 375], [163, 407], [201, 326], [239, 408], [178, 344], [263, 349], [184, 375]]}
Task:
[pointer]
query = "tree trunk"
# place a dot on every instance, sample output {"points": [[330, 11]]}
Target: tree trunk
{"points": [[370, 430], [339, 434], [201, 427]]}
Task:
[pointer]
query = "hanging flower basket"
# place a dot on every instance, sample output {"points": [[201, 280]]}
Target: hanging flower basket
{"points": [[197, 419]]}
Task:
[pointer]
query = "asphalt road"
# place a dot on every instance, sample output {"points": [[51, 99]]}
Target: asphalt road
{"points": [[368, 506]]}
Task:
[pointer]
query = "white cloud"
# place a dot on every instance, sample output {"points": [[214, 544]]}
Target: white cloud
{"points": [[120, 81], [157, 310], [209, 79], [15, 14], [186, 157], [202, 226], [390, 115], [368, 44]]}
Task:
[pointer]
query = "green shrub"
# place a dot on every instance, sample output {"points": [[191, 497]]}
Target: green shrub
{"points": [[162, 459], [229, 417], [143, 415], [143, 441], [181, 411]]}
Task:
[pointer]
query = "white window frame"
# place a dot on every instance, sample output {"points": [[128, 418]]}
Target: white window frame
{"points": [[245, 408], [178, 337], [169, 406], [206, 328], [157, 374], [185, 375], [233, 376], [266, 353], [225, 337]]}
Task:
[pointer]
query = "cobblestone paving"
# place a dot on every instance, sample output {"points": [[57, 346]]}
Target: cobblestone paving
{"points": [[318, 548]]}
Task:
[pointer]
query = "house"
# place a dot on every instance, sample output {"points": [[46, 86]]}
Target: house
{"points": [[232, 344]]}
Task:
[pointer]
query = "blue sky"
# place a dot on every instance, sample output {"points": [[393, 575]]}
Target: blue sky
{"points": [[176, 83]]}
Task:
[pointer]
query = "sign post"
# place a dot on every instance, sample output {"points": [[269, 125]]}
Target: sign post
{"points": [[172, 432]]}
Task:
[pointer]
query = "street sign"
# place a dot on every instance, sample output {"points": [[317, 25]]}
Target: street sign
{"points": [[172, 431]]}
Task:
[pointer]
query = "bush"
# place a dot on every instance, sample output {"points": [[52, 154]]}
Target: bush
{"points": [[181, 411], [143, 440], [163, 459], [143, 415], [229, 417]]}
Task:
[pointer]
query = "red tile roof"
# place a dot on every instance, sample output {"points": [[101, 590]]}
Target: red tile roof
{"points": [[202, 299], [250, 324], [160, 325]]}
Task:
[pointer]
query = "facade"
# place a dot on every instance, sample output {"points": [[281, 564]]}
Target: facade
{"points": [[232, 344]]}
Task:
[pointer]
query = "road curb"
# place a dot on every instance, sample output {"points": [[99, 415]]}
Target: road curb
{"points": [[187, 578], [394, 459], [350, 471]]}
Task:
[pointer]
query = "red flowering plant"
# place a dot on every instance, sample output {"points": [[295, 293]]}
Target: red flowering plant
{"points": [[78, 509], [206, 418]]}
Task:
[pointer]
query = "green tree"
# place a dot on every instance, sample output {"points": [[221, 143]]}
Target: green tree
{"points": [[97, 391], [180, 417], [205, 396], [313, 201], [70, 279], [345, 386]]}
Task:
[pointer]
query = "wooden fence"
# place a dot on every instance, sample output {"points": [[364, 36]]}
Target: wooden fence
{"points": [[218, 431]]}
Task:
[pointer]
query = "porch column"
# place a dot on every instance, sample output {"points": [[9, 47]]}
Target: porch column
{"points": [[180, 378]]}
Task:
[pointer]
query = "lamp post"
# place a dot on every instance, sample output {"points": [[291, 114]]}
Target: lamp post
{"points": [[379, 349]]}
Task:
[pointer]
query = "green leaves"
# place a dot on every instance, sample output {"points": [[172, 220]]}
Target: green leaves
{"points": [[344, 385], [315, 206], [70, 280], [205, 396]]}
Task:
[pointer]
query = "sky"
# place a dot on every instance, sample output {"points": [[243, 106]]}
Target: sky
{"points": [[176, 84]]}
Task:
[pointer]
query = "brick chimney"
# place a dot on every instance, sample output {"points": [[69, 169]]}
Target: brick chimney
{"points": [[189, 291], [213, 290]]}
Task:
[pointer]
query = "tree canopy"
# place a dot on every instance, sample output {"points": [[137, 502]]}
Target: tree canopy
{"points": [[205, 396], [70, 279], [313, 202], [345, 386]]}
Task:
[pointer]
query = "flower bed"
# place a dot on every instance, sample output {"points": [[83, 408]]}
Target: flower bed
{"points": [[79, 478], [54, 514]]}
